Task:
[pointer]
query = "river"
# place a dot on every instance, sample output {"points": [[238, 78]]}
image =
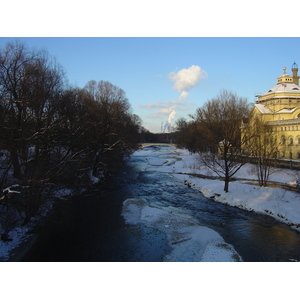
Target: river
{"points": [[121, 223]]}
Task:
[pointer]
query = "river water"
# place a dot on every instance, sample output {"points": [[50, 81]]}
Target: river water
{"points": [[96, 227]]}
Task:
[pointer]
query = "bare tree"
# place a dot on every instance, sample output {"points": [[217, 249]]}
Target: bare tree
{"points": [[29, 83], [219, 121], [263, 147], [113, 119]]}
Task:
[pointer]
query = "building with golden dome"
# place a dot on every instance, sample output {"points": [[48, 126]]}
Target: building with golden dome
{"points": [[278, 110]]}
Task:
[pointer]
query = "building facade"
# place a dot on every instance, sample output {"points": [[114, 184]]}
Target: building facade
{"points": [[278, 110]]}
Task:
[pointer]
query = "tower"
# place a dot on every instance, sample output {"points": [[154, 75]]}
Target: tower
{"points": [[295, 73]]}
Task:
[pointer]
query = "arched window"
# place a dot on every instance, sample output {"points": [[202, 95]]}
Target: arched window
{"points": [[298, 116], [298, 140], [291, 141], [283, 140]]}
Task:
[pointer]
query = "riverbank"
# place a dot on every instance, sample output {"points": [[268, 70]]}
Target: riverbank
{"points": [[278, 203], [23, 238], [244, 193]]}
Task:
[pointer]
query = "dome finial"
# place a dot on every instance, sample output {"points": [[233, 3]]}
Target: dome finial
{"points": [[294, 66], [284, 69]]}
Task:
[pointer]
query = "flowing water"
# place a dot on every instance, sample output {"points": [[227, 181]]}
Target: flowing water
{"points": [[93, 228]]}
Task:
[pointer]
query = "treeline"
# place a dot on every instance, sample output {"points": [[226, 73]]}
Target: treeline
{"points": [[150, 137], [53, 136]]}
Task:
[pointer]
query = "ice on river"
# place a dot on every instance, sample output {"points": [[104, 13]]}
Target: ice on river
{"points": [[156, 161], [190, 242]]}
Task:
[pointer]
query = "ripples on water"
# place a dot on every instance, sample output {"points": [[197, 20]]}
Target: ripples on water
{"points": [[256, 237], [92, 228]]}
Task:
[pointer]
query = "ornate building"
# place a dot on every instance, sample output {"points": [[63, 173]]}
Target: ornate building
{"points": [[278, 109]]}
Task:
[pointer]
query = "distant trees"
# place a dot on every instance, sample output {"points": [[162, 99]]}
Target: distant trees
{"points": [[216, 135], [55, 136], [189, 135]]}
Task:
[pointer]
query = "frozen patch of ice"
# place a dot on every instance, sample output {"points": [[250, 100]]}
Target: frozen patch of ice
{"points": [[144, 152], [190, 241], [156, 161]]}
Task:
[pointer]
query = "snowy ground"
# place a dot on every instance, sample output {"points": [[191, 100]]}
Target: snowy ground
{"points": [[279, 203], [19, 235], [191, 242]]}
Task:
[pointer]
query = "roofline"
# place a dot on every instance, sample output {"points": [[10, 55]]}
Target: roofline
{"points": [[283, 122], [291, 110], [279, 95]]}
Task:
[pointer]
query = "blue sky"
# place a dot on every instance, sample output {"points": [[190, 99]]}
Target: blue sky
{"points": [[142, 67]]}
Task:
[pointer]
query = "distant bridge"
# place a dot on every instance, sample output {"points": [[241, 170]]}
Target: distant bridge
{"points": [[157, 144]]}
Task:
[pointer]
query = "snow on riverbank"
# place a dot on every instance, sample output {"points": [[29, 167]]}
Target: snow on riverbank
{"points": [[19, 236], [279, 203], [190, 241]]}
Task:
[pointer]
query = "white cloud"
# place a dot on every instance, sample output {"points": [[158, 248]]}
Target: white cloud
{"points": [[185, 79], [183, 95], [153, 105], [165, 111]]}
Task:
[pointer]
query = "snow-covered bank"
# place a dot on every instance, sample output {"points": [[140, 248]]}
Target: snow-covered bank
{"points": [[20, 238], [190, 241], [279, 203]]}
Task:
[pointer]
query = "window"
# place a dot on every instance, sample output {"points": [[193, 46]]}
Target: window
{"points": [[298, 116], [283, 140], [291, 141], [298, 140]]}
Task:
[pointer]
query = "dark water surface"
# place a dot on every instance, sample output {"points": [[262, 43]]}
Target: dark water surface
{"points": [[92, 228]]}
